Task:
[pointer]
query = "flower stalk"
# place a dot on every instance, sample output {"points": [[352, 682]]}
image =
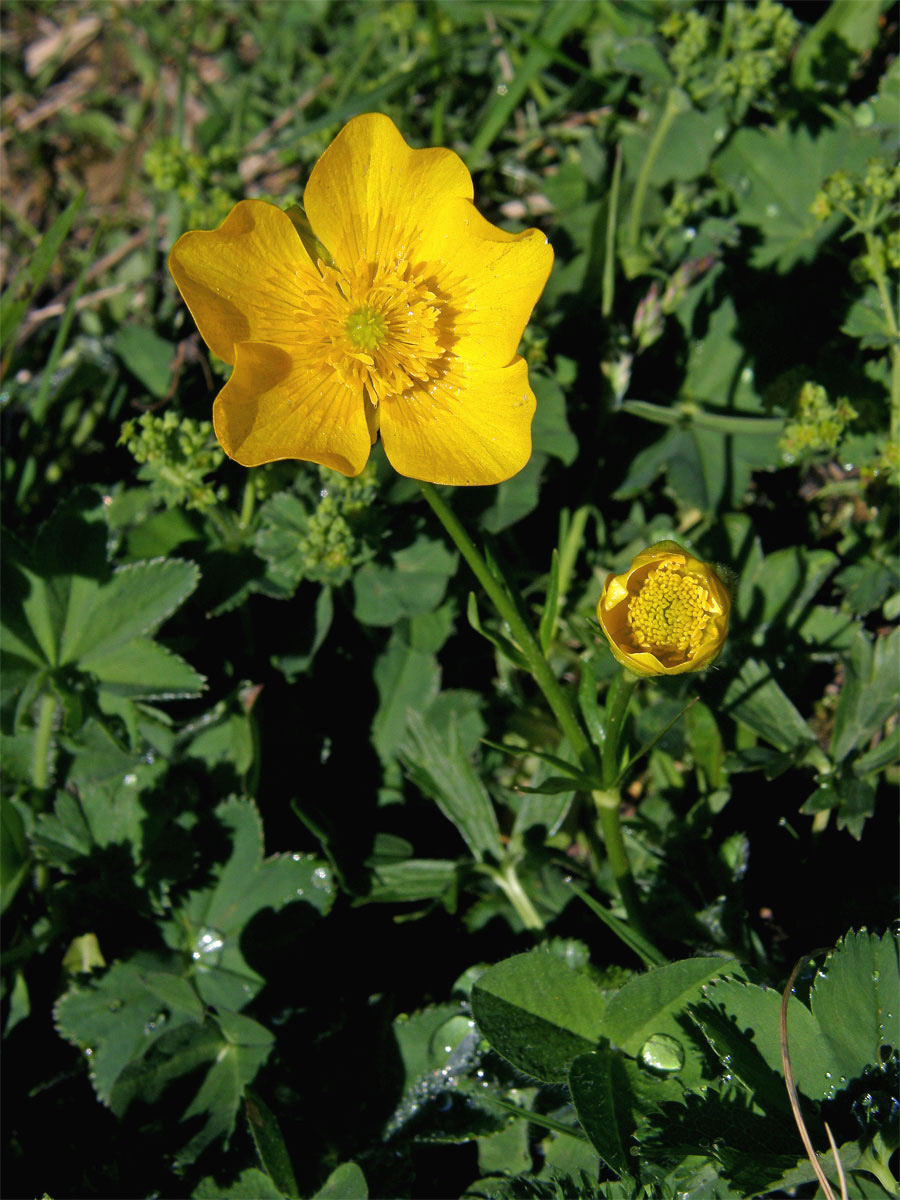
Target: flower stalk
{"points": [[606, 799]]}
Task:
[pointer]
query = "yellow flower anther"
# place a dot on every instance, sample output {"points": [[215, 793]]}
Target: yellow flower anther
{"points": [[668, 613], [391, 307]]}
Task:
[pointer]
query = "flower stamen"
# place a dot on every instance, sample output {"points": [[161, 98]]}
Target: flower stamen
{"points": [[670, 610]]}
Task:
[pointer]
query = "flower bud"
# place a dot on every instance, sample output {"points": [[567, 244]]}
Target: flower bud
{"points": [[668, 613]]}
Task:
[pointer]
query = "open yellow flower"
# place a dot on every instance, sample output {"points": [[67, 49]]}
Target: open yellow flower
{"points": [[401, 315], [668, 613]]}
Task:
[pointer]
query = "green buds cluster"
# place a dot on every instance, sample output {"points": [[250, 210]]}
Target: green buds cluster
{"points": [[195, 178], [736, 60], [176, 454], [332, 545], [818, 426]]}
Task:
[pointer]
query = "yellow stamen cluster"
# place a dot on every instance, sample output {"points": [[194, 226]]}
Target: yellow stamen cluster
{"points": [[381, 328], [670, 610]]}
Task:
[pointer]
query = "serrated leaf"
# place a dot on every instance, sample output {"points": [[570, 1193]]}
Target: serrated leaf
{"points": [[854, 1002], [133, 603], [441, 769], [246, 884], [775, 173], [119, 1017], [538, 1013], [251, 1184], [142, 669], [869, 694]]}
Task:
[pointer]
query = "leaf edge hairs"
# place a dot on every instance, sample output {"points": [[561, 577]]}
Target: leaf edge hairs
{"points": [[402, 316]]}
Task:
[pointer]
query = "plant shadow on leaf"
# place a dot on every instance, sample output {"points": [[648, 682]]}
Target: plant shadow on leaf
{"points": [[753, 1149]]}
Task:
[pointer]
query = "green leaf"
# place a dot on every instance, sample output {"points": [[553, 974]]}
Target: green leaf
{"points": [[146, 355], [538, 1013], [547, 626], [550, 430], [866, 321], [133, 603], [270, 1147], [18, 296], [868, 696], [345, 1182], [602, 1099], [411, 879], [656, 1003], [142, 669], [251, 1184], [118, 1018], [854, 1001], [515, 498], [235, 1051], [741, 1022], [757, 700], [501, 643], [408, 677], [692, 138], [245, 885], [867, 583], [845, 25], [556, 23], [413, 586], [441, 769], [853, 1014], [774, 175], [630, 937], [15, 856]]}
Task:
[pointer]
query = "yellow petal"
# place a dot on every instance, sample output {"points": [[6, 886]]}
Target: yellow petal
{"points": [[241, 281], [465, 429], [493, 278], [273, 408], [370, 196]]}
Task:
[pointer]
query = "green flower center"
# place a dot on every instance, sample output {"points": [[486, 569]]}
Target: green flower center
{"points": [[366, 328], [670, 610]]}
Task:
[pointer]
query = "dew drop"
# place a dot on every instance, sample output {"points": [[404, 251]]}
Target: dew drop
{"points": [[662, 1053], [208, 947]]}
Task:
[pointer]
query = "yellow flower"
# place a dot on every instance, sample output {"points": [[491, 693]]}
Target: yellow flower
{"points": [[401, 314], [668, 613]]}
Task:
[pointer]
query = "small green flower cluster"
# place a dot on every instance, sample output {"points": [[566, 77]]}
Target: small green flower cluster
{"points": [[870, 204], [332, 545], [736, 62], [819, 425], [194, 178], [176, 454]]}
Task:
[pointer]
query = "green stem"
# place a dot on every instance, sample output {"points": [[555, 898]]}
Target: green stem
{"points": [[247, 502], [612, 217], [527, 642], [617, 702], [674, 105], [557, 700], [507, 879], [609, 803], [893, 329], [40, 757]]}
